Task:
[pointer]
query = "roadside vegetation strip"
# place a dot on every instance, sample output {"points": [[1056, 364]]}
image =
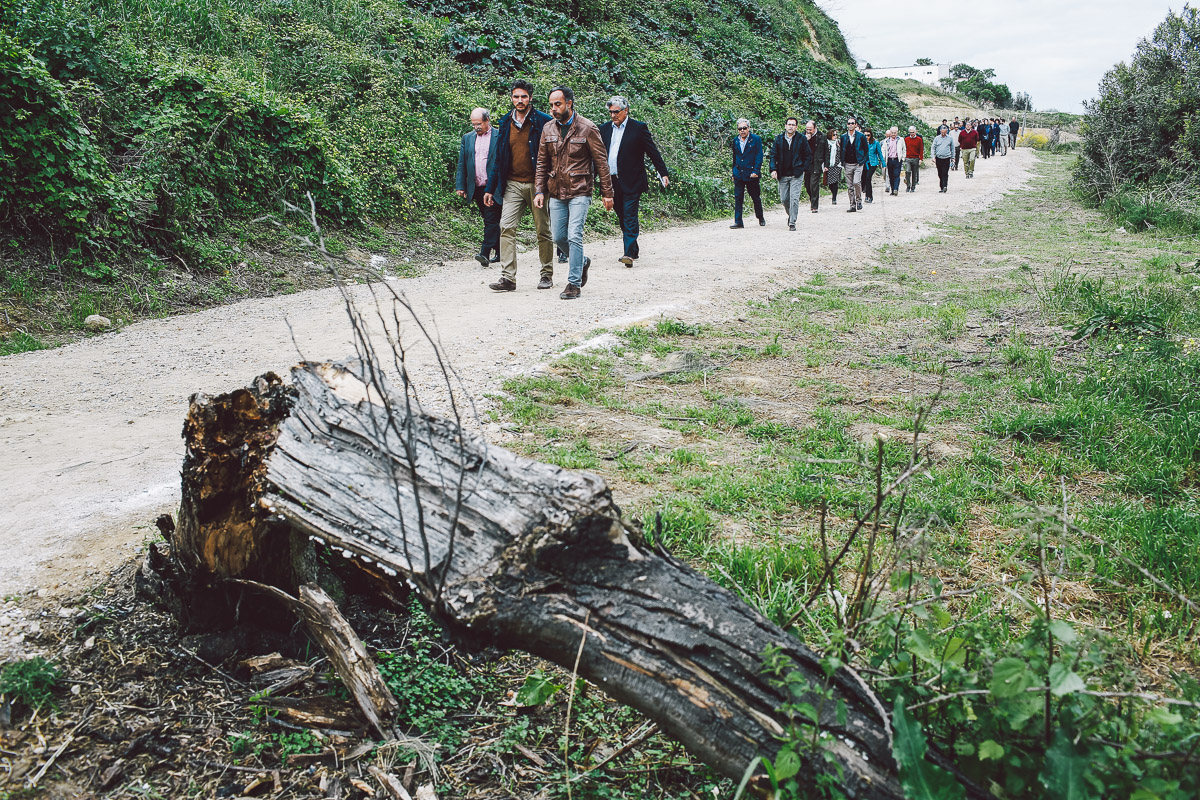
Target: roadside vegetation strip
{"points": [[1049, 549]]}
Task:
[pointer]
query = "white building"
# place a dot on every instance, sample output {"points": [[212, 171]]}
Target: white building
{"points": [[931, 74]]}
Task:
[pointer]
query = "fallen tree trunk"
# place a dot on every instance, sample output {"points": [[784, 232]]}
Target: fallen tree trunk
{"points": [[505, 551]]}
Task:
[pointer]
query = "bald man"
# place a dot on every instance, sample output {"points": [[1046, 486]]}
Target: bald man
{"points": [[476, 157]]}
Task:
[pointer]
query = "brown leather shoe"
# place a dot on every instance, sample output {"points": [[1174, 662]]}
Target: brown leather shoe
{"points": [[587, 262], [503, 285], [570, 293], [626, 260], [545, 283]]}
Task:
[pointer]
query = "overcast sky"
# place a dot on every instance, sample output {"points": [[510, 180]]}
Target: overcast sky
{"points": [[1057, 50]]}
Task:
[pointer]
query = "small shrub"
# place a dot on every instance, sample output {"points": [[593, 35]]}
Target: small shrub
{"points": [[20, 342], [1036, 141], [1134, 212], [30, 683]]}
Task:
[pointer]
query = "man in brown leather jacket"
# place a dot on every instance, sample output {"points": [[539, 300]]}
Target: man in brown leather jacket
{"points": [[569, 154]]}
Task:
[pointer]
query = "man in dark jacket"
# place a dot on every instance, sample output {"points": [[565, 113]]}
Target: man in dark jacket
{"points": [[1014, 127], [852, 155], [818, 149], [747, 172], [789, 163], [476, 157], [628, 142], [510, 184]]}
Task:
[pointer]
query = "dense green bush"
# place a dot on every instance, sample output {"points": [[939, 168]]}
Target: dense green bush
{"points": [[152, 125], [55, 178], [1142, 132]]}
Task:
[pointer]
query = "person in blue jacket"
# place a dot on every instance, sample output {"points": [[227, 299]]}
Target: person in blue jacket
{"points": [[747, 172], [874, 163]]}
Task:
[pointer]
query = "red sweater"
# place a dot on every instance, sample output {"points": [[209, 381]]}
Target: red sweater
{"points": [[968, 139], [914, 146]]}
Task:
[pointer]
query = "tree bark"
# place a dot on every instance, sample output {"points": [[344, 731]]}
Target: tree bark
{"points": [[505, 551]]}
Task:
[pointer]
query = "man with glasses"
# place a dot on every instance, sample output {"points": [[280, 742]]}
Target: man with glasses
{"points": [[747, 171], [510, 185], [570, 153], [852, 155], [628, 142], [789, 163]]}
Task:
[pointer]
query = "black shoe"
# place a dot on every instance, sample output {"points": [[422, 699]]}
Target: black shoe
{"points": [[851, 210], [870, 199], [546, 283], [762, 223], [860, 206], [482, 259], [503, 285], [562, 259], [737, 225], [834, 201], [587, 262], [569, 293], [626, 260], [791, 227], [814, 211]]}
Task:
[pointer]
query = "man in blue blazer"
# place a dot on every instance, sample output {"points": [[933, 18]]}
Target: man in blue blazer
{"points": [[628, 143], [747, 172], [476, 158]]}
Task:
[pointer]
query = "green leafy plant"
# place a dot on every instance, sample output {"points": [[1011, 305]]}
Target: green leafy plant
{"points": [[429, 688], [30, 683]]}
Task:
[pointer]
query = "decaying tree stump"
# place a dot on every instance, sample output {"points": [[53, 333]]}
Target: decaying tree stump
{"points": [[503, 550]]}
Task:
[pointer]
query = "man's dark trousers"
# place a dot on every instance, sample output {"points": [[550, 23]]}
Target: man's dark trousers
{"points": [[943, 168], [740, 187], [812, 182], [491, 224], [893, 172], [625, 204]]}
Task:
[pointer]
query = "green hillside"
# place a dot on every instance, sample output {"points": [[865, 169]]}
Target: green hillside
{"points": [[141, 135]]}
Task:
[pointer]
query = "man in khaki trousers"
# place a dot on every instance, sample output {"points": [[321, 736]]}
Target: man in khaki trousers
{"points": [[510, 182]]}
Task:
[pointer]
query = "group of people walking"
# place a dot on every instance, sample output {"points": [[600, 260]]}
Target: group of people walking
{"points": [[809, 161], [549, 164]]}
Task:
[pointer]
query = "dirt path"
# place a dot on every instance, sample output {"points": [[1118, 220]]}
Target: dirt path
{"points": [[90, 443]]}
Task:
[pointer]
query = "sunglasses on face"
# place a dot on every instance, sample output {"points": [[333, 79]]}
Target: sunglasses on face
{"points": [[742, 128]]}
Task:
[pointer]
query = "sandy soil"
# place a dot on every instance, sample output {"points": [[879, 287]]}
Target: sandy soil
{"points": [[90, 443]]}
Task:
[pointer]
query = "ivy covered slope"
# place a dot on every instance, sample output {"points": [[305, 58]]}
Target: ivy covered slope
{"points": [[142, 133]]}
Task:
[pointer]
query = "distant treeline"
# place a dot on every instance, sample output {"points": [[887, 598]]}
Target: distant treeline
{"points": [[1141, 134]]}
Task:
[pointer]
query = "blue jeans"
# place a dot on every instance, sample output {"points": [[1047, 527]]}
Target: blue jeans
{"points": [[566, 226]]}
